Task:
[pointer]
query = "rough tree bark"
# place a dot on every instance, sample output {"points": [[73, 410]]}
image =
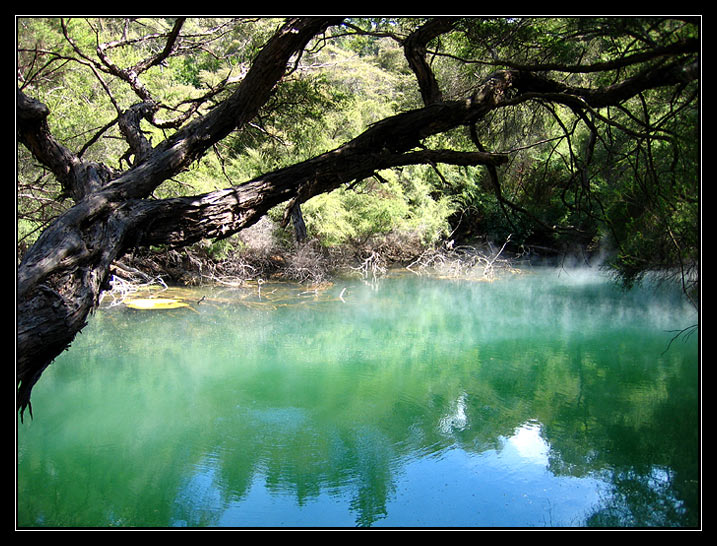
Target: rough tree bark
{"points": [[61, 277]]}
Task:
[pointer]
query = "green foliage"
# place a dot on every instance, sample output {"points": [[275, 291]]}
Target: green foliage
{"points": [[401, 203]]}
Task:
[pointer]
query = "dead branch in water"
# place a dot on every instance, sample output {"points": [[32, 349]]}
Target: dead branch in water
{"points": [[373, 267], [462, 262], [126, 281]]}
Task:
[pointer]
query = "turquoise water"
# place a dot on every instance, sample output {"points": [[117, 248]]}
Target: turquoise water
{"points": [[545, 399]]}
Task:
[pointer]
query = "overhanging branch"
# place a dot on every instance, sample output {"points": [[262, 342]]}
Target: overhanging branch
{"points": [[219, 214]]}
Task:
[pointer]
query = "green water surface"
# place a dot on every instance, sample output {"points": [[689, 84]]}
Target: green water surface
{"points": [[546, 399]]}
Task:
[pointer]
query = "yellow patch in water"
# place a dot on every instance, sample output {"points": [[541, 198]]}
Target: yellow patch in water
{"points": [[155, 303]]}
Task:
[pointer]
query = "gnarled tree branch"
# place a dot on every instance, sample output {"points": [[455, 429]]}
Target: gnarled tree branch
{"points": [[62, 275], [415, 47]]}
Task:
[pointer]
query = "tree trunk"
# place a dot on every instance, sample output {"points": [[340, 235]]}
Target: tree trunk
{"points": [[60, 278], [297, 219]]}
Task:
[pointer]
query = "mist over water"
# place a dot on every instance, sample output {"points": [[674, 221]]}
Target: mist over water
{"points": [[546, 398]]}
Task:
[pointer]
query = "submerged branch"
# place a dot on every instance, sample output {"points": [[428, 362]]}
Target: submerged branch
{"points": [[685, 333]]}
